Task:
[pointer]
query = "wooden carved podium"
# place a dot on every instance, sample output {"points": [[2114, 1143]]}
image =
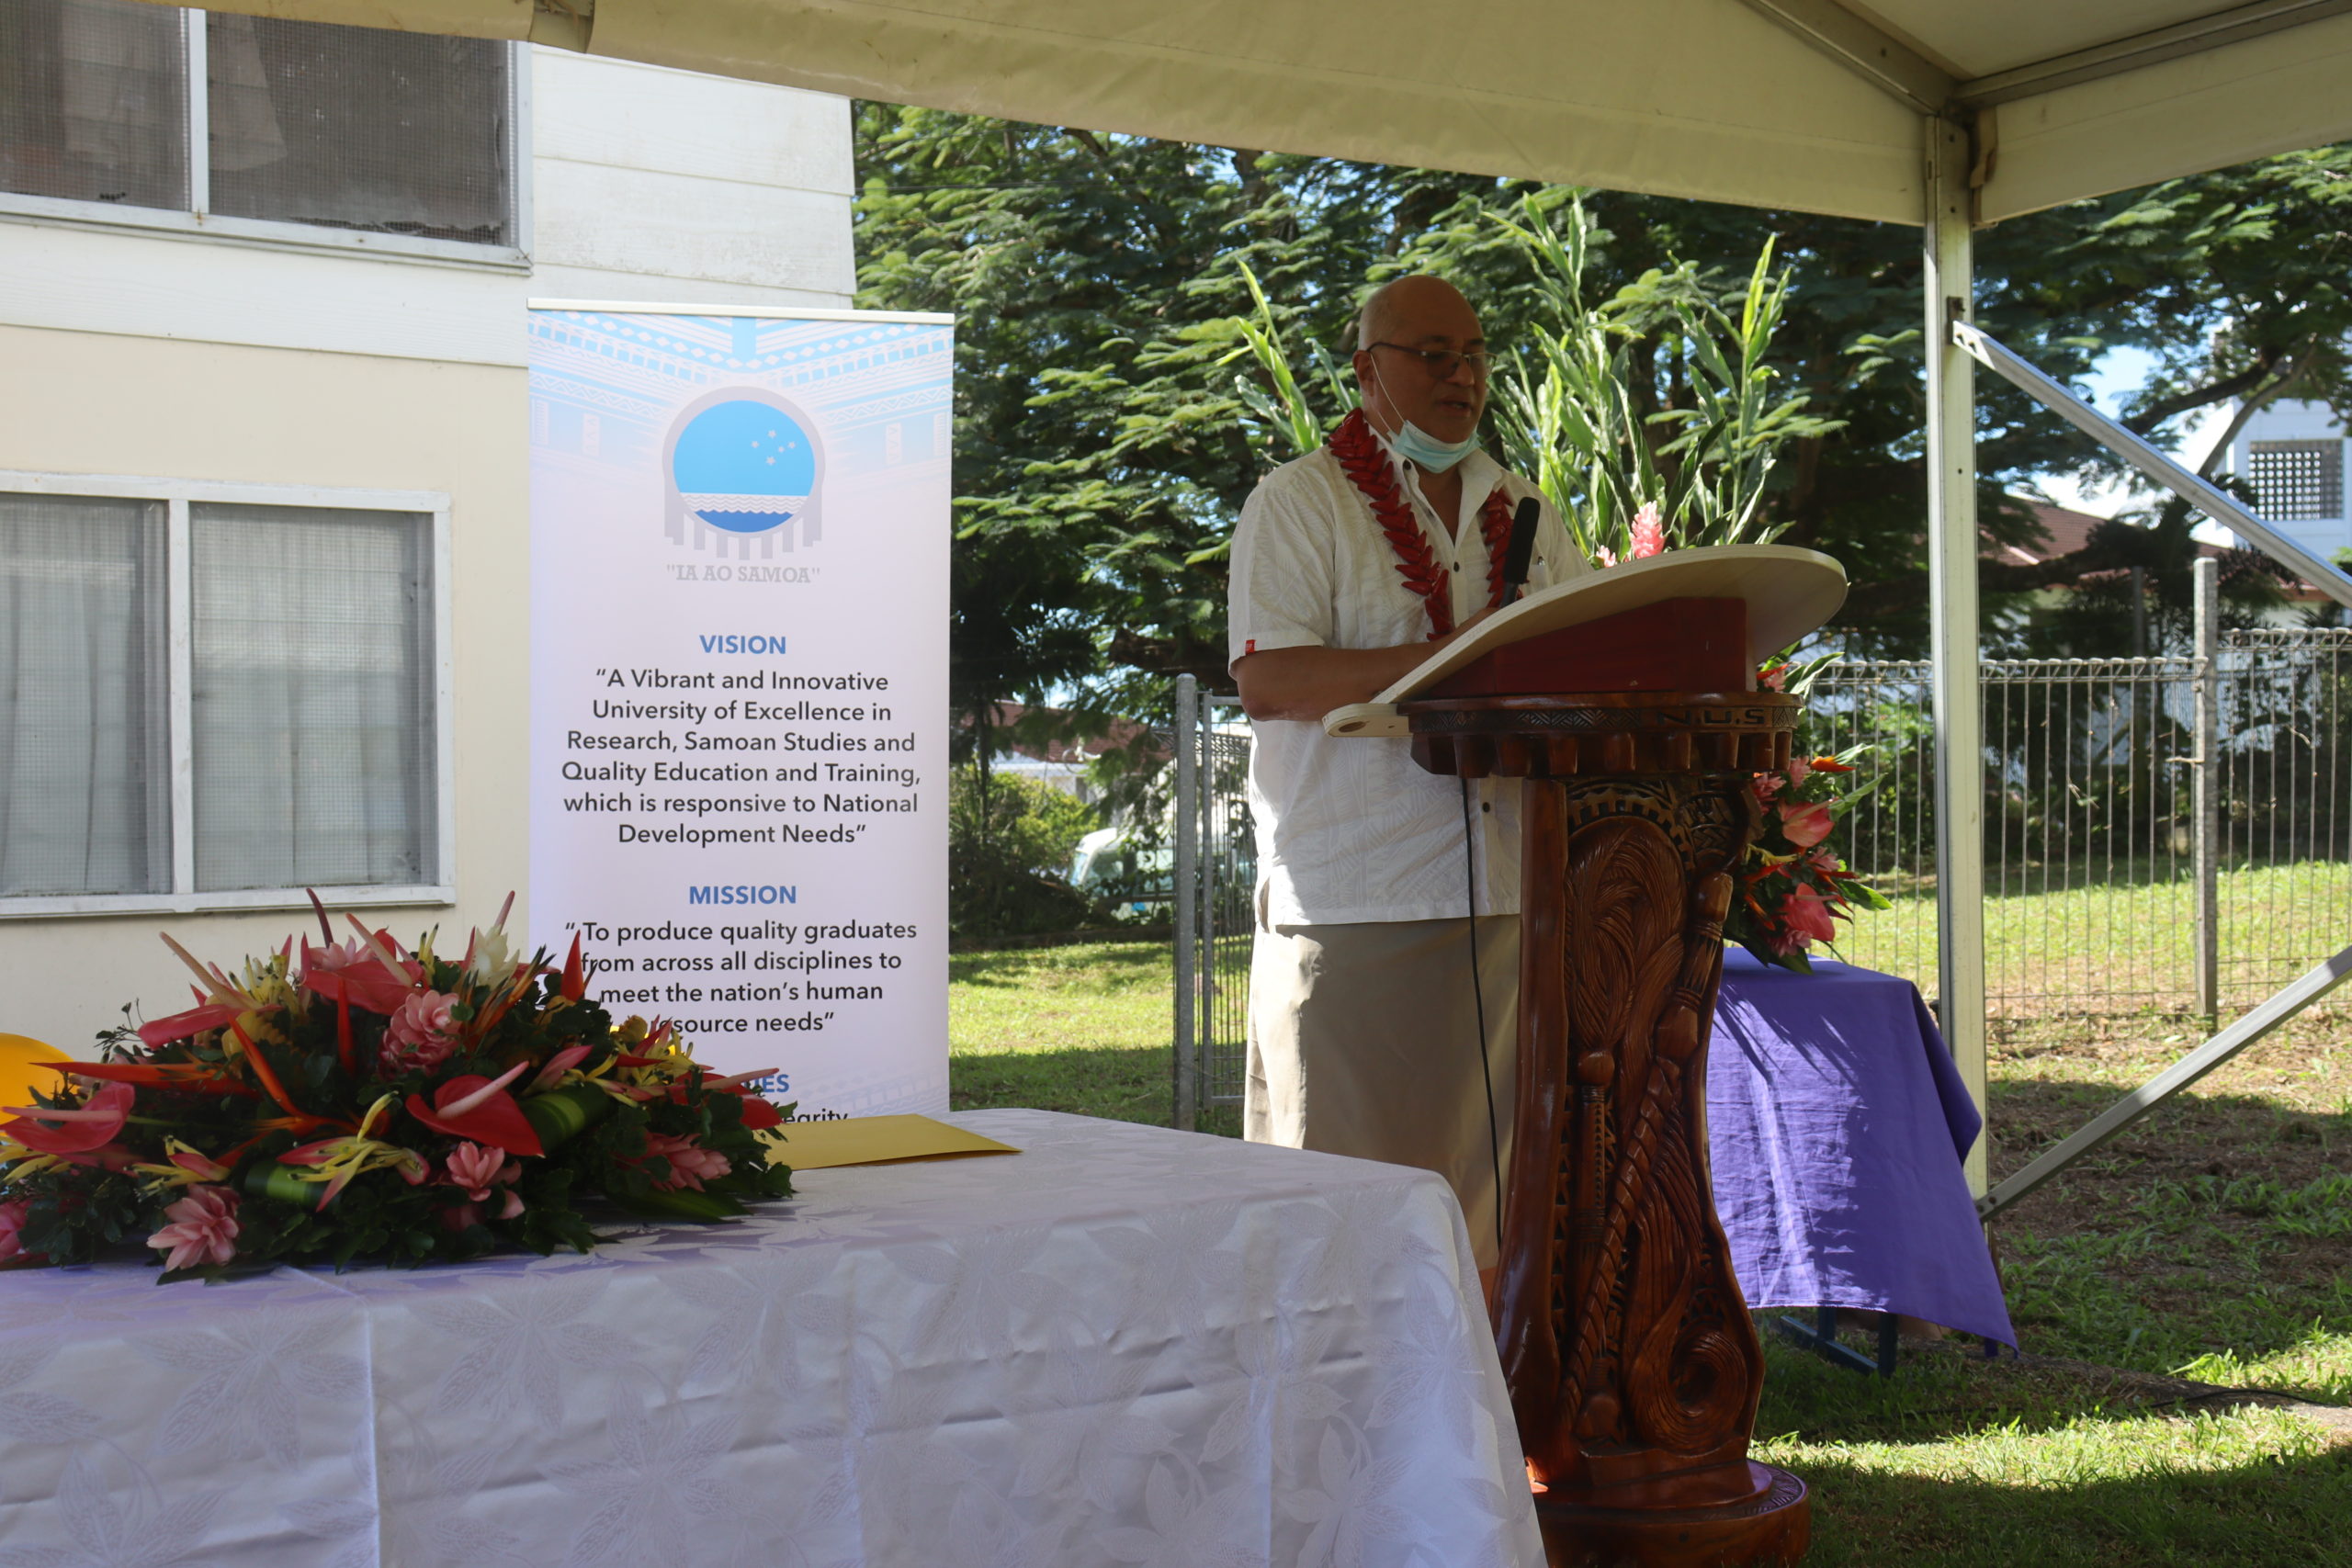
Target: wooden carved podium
{"points": [[1627, 703]]}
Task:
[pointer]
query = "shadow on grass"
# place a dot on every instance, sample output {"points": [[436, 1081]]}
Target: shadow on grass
{"points": [[2215, 1227], [1963, 1464], [2267, 1511]]}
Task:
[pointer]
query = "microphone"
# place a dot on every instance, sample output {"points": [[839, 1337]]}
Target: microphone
{"points": [[1522, 546]]}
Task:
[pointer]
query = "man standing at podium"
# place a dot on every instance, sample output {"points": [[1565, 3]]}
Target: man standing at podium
{"points": [[1383, 1014]]}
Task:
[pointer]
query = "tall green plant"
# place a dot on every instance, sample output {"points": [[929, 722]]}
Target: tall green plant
{"points": [[1661, 395]]}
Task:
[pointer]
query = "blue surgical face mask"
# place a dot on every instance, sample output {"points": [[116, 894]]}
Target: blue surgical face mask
{"points": [[1421, 449], [1418, 448]]}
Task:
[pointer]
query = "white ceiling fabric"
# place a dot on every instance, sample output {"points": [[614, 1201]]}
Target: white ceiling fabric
{"points": [[1720, 100]]}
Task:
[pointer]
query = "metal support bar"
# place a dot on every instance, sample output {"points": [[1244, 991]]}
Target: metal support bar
{"points": [[2199, 491], [1820, 1337], [1952, 612], [1188, 967], [2313, 985], [2205, 789]]}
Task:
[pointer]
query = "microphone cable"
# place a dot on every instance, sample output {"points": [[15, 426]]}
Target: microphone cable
{"points": [[1478, 999]]}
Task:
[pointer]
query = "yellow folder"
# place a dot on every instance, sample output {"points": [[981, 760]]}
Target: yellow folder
{"points": [[874, 1140]]}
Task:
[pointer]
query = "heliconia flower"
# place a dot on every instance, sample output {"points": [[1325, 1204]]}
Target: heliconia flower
{"points": [[187, 1167], [203, 1229], [690, 1164], [562, 1062], [13, 1217], [1798, 770], [1805, 823], [1649, 534], [181, 1025], [421, 1033], [477, 1167], [92, 1125], [1831, 766], [1805, 917]]}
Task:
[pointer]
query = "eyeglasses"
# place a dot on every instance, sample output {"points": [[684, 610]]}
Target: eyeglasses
{"points": [[1442, 363]]}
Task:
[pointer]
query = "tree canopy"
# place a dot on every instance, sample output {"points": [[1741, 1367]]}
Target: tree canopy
{"points": [[1106, 435]]}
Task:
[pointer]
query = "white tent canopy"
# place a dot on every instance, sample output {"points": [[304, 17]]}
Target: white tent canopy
{"points": [[1806, 104], [1914, 111]]}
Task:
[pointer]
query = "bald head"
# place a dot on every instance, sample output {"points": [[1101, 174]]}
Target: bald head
{"points": [[1411, 338], [1405, 310]]}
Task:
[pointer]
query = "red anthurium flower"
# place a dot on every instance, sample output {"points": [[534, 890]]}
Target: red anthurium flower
{"points": [[91, 1125], [760, 1114], [181, 1025], [1805, 823], [480, 1109]]}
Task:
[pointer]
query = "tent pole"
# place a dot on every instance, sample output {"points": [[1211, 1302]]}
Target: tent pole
{"points": [[1951, 608]]}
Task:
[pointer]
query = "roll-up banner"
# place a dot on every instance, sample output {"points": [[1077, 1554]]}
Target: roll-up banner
{"points": [[738, 684]]}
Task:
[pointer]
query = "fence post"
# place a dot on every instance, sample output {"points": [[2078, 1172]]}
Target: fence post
{"points": [[1186, 874], [2205, 789]]}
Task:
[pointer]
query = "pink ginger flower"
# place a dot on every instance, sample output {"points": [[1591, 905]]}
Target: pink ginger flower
{"points": [[333, 956], [203, 1228], [1774, 679], [1607, 555], [1805, 823], [13, 1217], [1764, 787], [420, 1034], [690, 1165], [1649, 534], [1804, 917], [1798, 769], [1821, 858], [478, 1167]]}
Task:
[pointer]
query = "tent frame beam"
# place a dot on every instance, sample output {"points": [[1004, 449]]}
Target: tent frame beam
{"points": [[1867, 49], [1864, 47], [2153, 462], [1949, 290]]}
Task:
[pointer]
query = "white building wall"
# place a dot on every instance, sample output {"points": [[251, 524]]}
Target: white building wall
{"points": [[139, 348], [2287, 420]]}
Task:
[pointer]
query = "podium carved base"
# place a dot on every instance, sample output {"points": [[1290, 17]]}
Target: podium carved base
{"points": [[1633, 1367], [1773, 1527]]}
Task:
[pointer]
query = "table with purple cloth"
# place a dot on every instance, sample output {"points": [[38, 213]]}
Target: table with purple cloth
{"points": [[1838, 1123]]}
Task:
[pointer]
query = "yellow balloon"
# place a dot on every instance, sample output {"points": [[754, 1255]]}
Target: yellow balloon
{"points": [[20, 1056]]}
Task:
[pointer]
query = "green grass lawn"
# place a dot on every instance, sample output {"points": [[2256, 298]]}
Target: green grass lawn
{"points": [[2213, 1242], [2096, 937]]}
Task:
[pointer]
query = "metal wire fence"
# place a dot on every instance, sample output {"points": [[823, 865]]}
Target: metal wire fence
{"points": [[2095, 853], [2109, 880]]}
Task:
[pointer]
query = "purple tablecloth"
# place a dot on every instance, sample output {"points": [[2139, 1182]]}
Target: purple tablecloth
{"points": [[1838, 1123]]}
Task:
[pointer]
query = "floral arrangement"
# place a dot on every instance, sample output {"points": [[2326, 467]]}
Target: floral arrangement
{"points": [[1793, 888], [361, 1101]]}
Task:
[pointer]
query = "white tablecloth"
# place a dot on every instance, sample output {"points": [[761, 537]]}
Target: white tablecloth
{"points": [[1124, 1345]]}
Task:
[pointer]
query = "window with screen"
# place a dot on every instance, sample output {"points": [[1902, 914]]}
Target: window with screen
{"points": [[312, 706], [94, 102], [84, 723], [298, 122], [312, 731], [2298, 480], [354, 128]]}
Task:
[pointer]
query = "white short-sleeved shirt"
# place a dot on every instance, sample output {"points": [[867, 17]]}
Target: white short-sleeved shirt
{"points": [[1354, 829]]}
